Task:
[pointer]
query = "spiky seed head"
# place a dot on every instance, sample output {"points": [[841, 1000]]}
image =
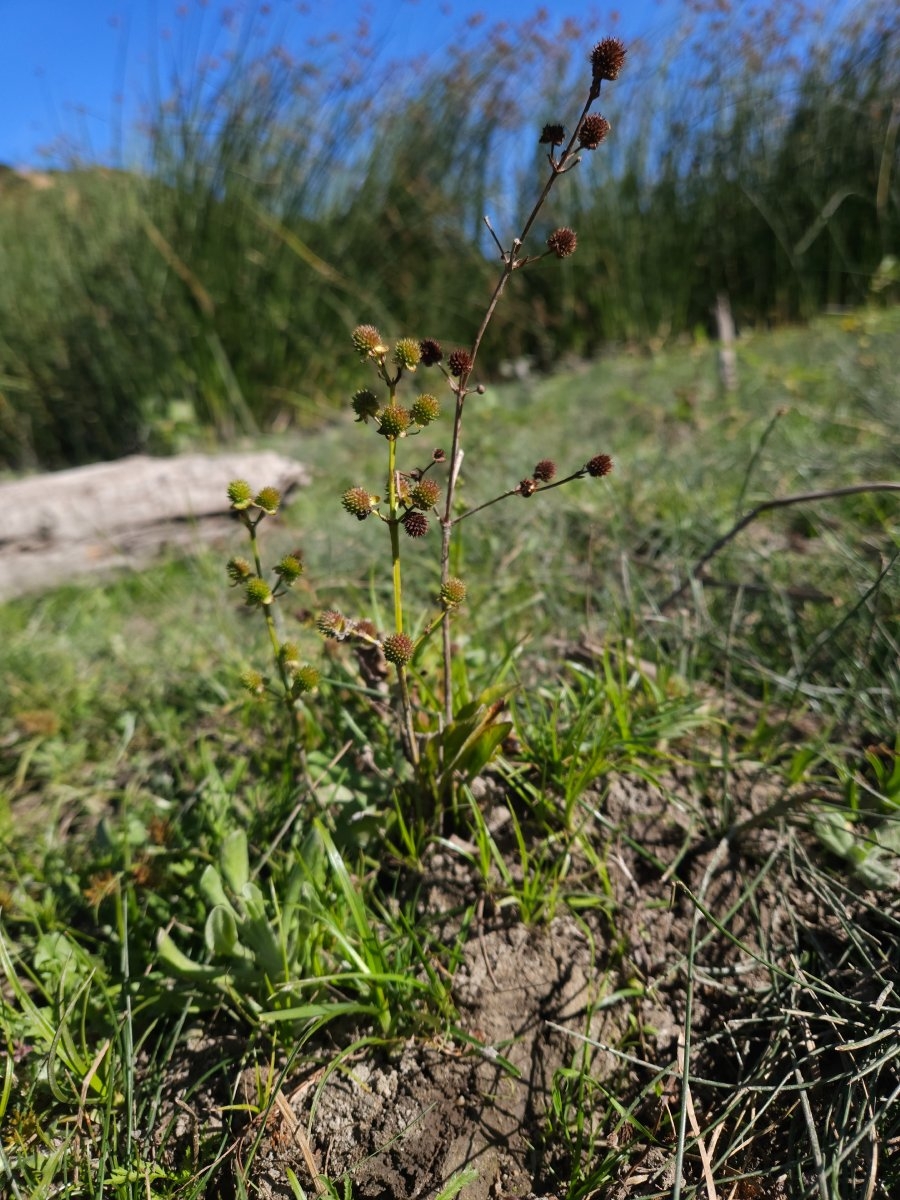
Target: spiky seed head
{"points": [[257, 592], [459, 362], [453, 592], [607, 60], [253, 681], [425, 494], [398, 649], [365, 404], [431, 352], [240, 494], [438, 455], [306, 680], [407, 353], [239, 570], [563, 242], [599, 465], [289, 656], [395, 421], [545, 470], [593, 131], [415, 524], [358, 502], [425, 409], [268, 500], [367, 341], [289, 569], [553, 135], [366, 630], [332, 624], [527, 487]]}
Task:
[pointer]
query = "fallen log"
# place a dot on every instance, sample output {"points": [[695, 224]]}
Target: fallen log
{"points": [[100, 519]]}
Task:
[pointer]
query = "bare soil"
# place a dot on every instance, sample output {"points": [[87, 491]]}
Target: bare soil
{"points": [[745, 950]]}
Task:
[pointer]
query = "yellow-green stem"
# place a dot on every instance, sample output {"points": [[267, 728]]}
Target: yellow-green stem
{"points": [[293, 715], [394, 526]]}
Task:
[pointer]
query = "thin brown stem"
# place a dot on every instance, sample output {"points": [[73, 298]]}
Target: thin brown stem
{"points": [[766, 506], [510, 264]]}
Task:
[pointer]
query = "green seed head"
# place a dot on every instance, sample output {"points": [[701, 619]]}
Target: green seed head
{"points": [[240, 494], [398, 649], [239, 570], [394, 421], [254, 682], [453, 593], [258, 592], [367, 342], [407, 354], [425, 409], [289, 569], [306, 680], [365, 405], [425, 494], [358, 502], [289, 656], [268, 500]]}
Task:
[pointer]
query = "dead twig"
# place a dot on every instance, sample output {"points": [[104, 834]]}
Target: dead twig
{"points": [[767, 506]]}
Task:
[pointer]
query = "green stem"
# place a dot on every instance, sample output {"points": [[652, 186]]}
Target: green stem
{"points": [[394, 526], [293, 715]]}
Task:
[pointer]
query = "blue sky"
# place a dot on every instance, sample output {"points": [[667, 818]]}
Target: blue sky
{"points": [[79, 69]]}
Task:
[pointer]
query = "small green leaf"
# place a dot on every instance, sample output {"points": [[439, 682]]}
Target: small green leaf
{"points": [[176, 962], [211, 888], [221, 932], [234, 860]]}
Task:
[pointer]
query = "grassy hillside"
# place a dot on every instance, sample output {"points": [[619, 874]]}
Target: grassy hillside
{"points": [[689, 831]]}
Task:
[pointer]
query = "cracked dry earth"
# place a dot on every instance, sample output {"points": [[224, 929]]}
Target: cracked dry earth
{"points": [[400, 1123]]}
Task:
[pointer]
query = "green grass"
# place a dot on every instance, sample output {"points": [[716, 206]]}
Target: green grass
{"points": [[133, 769]]}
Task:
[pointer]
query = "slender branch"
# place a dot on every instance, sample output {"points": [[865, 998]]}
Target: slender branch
{"points": [[766, 506], [510, 264]]}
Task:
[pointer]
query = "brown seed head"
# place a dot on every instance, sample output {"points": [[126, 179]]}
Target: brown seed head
{"points": [[544, 470], [599, 465], [415, 524], [562, 242], [398, 648], [459, 362], [553, 135], [431, 352], [527, 487], [607, 60], [331, 624], [438, 455], [593, 131]]}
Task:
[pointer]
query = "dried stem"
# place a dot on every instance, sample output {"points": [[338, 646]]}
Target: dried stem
{"points": [[766, 506], [511, 262]]}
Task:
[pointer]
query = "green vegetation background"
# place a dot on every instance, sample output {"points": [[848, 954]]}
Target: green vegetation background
{"points": [[213, 285]]}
